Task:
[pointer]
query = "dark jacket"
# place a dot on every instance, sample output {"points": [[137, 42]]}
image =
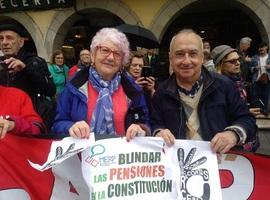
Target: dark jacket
{"points": [[72, 103], [35, 78], [220, 106], [255, 62]]}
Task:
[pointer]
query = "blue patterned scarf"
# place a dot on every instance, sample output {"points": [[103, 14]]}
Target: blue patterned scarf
{"points": [[102, 117]]}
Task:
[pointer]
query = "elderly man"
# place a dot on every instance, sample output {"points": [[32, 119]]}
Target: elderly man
{"points": [[85, 61], [26, 71], [245, 60], [196, 104], [260, 68]]}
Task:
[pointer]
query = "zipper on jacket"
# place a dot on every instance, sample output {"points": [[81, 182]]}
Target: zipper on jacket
{"points": [[181, 120]]}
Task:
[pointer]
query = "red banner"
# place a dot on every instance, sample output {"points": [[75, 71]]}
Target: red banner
{"points": [[18, 178], [243, 176], [16, 173]]}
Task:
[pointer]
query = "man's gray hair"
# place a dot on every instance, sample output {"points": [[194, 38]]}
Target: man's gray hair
{"points": [[246, 40], [186, 31]]}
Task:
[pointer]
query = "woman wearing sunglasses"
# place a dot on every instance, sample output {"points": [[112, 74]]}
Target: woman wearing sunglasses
{"points": [[103, 99], [227, 62]]}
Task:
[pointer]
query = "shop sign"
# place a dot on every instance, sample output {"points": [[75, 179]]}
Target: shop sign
{"points": [[20, 5]]}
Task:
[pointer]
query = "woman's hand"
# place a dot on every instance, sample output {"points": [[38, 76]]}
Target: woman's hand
{"points": [[150, 86], [167, 136], [134, 130], [141, 82], [79, 130]]}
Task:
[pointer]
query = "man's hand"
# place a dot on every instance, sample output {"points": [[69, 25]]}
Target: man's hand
{"points": [[5, 126], [167, 136], [79, 130], [14, 65], [134, 130], [223, 141]]}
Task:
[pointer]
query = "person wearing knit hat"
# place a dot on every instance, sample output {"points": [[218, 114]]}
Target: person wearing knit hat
{"points": [[227, 62], [219, 53]]}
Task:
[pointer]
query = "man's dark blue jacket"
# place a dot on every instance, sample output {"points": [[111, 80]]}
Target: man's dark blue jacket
{"points": [[220, 106]]}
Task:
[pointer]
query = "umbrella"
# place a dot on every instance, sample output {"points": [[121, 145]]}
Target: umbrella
{"points": [[139, 36]]}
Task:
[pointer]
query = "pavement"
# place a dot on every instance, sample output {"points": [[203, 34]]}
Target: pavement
{"points": [[263, 123]]}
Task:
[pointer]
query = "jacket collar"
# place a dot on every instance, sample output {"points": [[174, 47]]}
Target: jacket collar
{"points": [[170, 85], [127, 82]]}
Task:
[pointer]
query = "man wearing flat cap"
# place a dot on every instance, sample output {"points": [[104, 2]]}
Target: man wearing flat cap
{"points": [[25, 71], [197, 104]]}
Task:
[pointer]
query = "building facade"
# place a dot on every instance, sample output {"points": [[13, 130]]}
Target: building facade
{"points": [[56, 27]]}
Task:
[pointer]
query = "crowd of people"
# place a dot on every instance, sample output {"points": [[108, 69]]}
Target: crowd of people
{"points": [[251, 75], [211, 95]]}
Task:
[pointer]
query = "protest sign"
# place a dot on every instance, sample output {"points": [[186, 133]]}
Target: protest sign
{"points": [[144, 169]]}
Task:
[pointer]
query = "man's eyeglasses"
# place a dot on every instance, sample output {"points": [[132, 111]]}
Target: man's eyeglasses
{"points": [[106, 51], [232, 61]]}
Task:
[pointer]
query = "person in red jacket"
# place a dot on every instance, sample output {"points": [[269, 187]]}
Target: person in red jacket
{"points": [[85, 61], [17, 114]]}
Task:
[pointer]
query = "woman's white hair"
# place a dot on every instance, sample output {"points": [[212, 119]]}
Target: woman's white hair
{"points": [[116, 37]]}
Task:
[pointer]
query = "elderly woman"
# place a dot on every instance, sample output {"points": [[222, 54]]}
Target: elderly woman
{"points": [[103, 99], [59, 70], [227, 62]]}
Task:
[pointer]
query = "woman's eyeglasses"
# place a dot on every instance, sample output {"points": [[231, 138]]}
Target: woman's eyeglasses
{"points": [[106, 51], [232, 61], [59, 58]]}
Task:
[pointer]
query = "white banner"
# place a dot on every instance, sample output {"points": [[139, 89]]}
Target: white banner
{"points": [[62, 150], [144, 169]]}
